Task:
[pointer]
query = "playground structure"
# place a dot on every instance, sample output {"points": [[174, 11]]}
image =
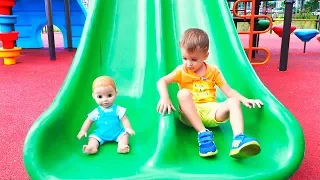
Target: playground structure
{"points": [[278, 29], [284, 30], [256, 27], [32, 18], [306, 35], [8, 52], [261, 24], [163, 147]]}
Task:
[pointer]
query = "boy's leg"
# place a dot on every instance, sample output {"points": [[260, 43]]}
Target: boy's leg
{"points": [[205, 137], [231, 108], [92, 146], [123, 142], [242, 146], [189, 110]]}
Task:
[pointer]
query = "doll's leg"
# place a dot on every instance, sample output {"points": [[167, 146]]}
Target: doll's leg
{"points": [[92, 146], [123, 146]]}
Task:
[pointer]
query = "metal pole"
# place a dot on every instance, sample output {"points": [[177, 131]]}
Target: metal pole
{"points": [[13, 28], [254, 42], [68, 23], [318, 22], [286, 34], [52, 49], [301, 7], [258, 39]]}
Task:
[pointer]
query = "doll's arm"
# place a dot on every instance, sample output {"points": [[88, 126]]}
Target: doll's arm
{"points": [[86, 125], [126, 124]]}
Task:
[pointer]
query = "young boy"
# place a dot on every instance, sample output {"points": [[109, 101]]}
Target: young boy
{"points": [[197, 99]]}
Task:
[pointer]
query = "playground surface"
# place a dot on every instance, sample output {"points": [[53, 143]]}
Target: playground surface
{"points": [[28, 88]]}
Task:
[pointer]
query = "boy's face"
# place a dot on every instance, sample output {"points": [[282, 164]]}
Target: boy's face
{"points": [[193, 60], [104, 96]]}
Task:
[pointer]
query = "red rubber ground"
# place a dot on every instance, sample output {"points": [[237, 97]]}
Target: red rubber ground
{"points": [[28, 88]]}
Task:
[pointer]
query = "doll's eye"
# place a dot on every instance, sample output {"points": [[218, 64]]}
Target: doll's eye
{"points": [[99, 96], [109, 95]]}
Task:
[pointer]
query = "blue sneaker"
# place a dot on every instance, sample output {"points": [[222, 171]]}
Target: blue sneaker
{"points": [[242, 147], [206, 144]]}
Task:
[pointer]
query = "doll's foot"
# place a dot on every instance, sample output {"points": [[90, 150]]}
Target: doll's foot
{"points": [[123, 149], [87, 150]]}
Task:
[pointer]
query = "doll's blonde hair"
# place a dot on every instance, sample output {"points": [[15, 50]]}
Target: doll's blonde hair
{"points": [[103, 81]]}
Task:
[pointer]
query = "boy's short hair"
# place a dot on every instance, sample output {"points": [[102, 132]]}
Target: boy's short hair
{"points": [[193, 39], [103, 81]]}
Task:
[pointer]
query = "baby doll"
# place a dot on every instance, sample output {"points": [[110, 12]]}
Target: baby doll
{"points": [[107, 117]]}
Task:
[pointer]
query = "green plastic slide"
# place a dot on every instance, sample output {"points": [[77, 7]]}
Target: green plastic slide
{"points": [[136, 42]]}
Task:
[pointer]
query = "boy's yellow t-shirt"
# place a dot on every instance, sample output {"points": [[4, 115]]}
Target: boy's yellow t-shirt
{"points": [[202, 88]]}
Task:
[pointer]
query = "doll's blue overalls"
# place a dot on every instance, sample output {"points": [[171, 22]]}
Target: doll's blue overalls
{"points": [[108, 126]]}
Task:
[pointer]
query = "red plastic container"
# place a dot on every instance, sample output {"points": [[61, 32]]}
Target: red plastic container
{"points": [[5, 6], [8, 39], [318, 38]]}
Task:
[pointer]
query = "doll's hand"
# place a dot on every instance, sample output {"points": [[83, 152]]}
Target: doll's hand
{"points": [[130, 131], [81, 134], [249, 103]]}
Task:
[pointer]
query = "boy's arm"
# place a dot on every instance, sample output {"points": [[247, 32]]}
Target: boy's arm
{"points": [[126, 124], [86, 125], [229, 92], [165, 102], [163, 83]]}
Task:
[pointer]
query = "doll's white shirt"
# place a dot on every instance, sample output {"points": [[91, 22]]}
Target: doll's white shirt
{"points": [[94, 115]]}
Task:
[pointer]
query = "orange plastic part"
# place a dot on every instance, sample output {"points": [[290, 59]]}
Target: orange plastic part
{"points": [[9, 55], [251, 31]]}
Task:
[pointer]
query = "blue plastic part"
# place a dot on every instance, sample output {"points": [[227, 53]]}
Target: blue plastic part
{"points": [[306, 35], [8, 19], [6, 22], [5, 28], [32, 18]]}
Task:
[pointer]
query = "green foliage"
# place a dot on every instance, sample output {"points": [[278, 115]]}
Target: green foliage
{"points": [[311, 5], [304, 15], [306, 24], [272, 4]]}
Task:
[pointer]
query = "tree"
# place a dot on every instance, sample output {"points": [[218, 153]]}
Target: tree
{"points": [[312, 5], [271, 4]]}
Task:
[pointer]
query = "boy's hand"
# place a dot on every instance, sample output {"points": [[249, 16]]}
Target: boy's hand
{"points": [[81, 134], [165, 105], [130, 131], [249, 103]]}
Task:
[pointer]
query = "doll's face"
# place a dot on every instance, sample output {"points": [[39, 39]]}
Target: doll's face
{"points": [[104, 96]]}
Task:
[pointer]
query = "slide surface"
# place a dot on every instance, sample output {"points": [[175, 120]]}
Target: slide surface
{"points": [[136, 42]]}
